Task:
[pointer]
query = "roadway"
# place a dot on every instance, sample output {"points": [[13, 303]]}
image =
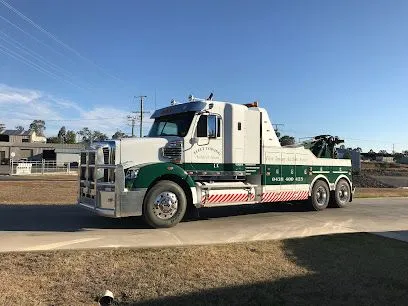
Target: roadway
{"points": [[45, 227]]}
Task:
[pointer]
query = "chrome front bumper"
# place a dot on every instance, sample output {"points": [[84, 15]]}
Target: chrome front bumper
{"points": [[114, 205], [111, 199], [105, 212]]}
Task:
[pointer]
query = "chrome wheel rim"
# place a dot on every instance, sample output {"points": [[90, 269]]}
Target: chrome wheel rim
{"points": [[165, 205], [321, 196], [343, 193]]}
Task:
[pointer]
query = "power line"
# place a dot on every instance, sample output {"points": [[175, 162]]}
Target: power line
{"points": [[60, 42], [34, 38], [17, 45], [78, 120], [28, 62]]}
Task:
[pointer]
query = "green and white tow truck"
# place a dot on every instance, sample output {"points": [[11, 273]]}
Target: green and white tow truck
{"points": [[205, 153]]}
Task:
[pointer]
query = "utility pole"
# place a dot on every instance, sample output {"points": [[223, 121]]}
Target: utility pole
{"points": [[276, 127], [140, 113], [132, 119]]}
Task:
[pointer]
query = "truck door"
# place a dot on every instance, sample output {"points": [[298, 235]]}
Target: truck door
{"points": [[207, 157]]}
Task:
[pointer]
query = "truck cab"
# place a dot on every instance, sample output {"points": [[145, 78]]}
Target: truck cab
{"points": [[206, 153]]}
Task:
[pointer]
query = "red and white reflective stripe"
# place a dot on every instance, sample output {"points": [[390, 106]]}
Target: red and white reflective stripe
{"points": [[269, 197], [227, 198], [284, 196]]}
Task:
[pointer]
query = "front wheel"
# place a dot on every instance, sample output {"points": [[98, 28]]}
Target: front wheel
{"points": [[320, 196], [164, 205]]}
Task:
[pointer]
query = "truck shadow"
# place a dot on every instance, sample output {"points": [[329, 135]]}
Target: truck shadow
{"points": [[242, 210], [334, 269], [70, 218]]}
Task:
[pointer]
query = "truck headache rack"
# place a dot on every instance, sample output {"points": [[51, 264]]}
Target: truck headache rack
{"points": [[97, 173]]}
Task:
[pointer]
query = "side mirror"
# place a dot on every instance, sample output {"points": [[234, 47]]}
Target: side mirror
{"points": [[194, 140]]}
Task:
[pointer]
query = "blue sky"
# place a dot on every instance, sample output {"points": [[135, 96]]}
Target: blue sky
{"points": [[336, 67]]}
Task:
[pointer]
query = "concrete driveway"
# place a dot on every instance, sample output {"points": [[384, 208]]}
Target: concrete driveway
{"points": [[44, 227]]}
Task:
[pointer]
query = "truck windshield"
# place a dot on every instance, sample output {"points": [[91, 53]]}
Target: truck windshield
{"points": [[172, 125]]}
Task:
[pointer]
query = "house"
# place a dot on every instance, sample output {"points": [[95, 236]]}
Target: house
{"points": [[18, 136], [385, 158], [18, 145]]}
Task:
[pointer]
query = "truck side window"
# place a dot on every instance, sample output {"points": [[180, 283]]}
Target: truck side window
{"points": [[202, 126], [212, 126]]}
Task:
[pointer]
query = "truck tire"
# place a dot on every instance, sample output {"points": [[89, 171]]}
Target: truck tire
{"points": [[342, 194], [320, 197], [164, 205]]}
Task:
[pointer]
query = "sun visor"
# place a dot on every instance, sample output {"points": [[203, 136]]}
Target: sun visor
{"points": [[179, 108]]}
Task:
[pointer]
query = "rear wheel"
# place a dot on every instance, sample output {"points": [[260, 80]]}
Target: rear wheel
{"points": [[320, 196], [164, 205], [342, 194]]}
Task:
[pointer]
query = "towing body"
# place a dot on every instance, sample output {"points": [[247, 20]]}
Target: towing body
{"points": [[206, 153]]}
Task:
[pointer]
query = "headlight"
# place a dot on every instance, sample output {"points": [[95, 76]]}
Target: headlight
{"points": [[132, 173]]}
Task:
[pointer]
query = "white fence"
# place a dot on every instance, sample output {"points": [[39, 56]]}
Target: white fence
{"points": [[41, 167]]}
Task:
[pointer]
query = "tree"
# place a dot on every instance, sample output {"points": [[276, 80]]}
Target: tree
{"points": [[405, 152], [62, 135], [19, 128], [88, 136], [347, 155], [85, 134], [358, 149], [382, 152], [53, 140], [287, 140], [38, 126], [70, 137], [98, 136], [2, 127], [343, 147], [118, 135]]}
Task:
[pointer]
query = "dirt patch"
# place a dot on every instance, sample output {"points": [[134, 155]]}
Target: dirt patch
{"points": [[366, 181], [38, 192], [323, 270], [380, 192], [384, 169], [45, 177]]}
